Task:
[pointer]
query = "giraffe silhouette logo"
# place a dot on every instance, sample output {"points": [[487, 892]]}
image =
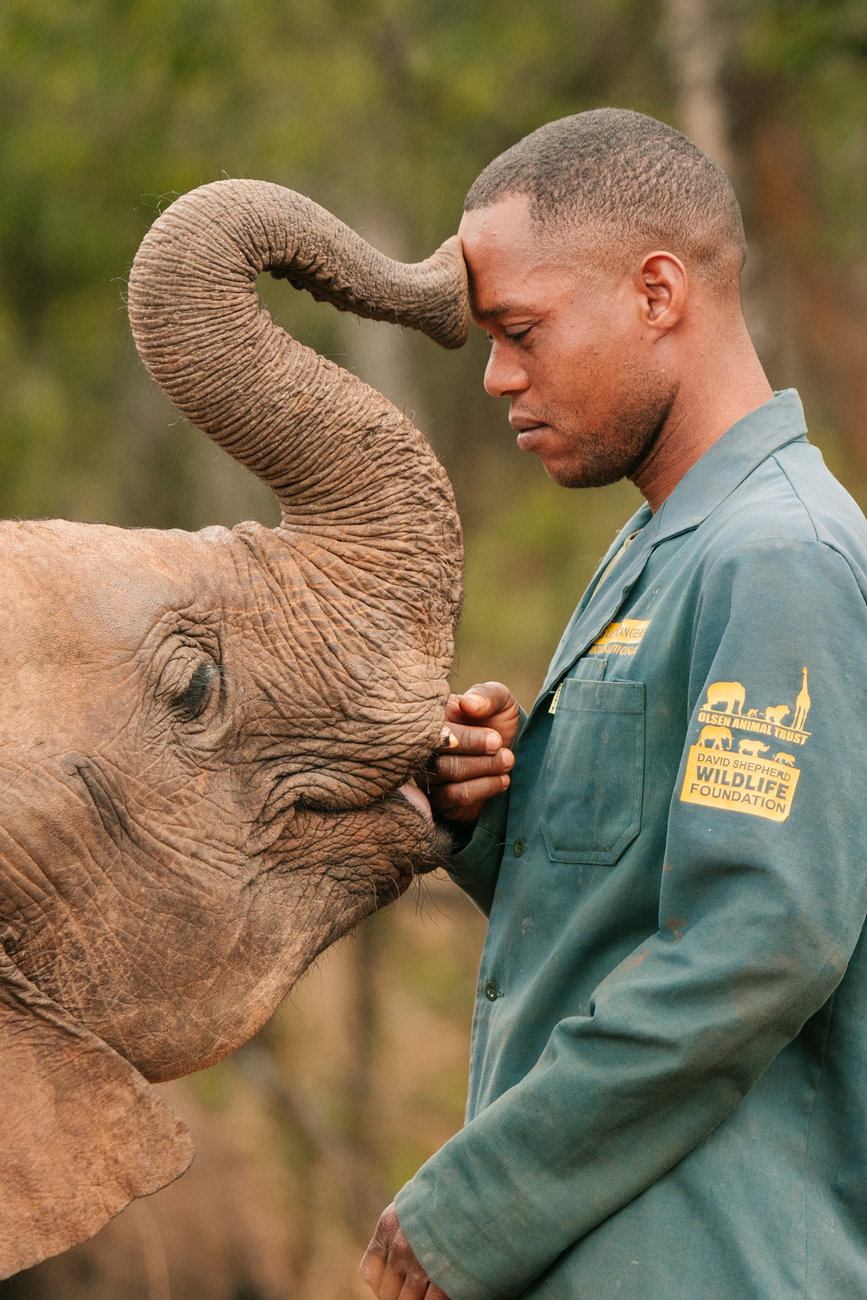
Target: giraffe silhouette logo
{"points": [[802, 706]]}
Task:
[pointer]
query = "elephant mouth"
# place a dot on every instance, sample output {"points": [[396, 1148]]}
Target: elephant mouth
{"points": [[418, 799]]}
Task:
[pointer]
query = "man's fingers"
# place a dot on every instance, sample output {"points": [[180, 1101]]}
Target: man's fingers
{"points": [[392, 1285], [390, 1267], [373, 1265], [471, 740], [480, 701], [372, 1268], [464, 800], [459, 785], [486, 698], [413, 1285], [466, 767], [489, 707]]}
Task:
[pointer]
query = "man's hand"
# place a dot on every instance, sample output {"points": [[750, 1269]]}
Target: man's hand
{"points": [[460, 781], [390, 1267]]}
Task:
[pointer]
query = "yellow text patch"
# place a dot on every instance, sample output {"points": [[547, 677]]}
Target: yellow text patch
{"points": [[621, 638], [717, 779]]}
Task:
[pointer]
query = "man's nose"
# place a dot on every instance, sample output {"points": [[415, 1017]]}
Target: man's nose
{"points": [[504, 373]]}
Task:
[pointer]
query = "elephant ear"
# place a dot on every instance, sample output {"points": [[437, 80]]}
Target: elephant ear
{"points": [[82, 1133]]}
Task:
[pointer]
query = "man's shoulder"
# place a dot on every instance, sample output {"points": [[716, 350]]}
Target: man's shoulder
{"points": [[791, 497]]}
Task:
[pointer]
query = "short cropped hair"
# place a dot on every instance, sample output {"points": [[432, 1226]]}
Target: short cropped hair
{"points": [[634, 181]]}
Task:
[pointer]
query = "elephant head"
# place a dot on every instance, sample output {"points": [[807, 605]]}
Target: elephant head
{"points": [[203, 736]]}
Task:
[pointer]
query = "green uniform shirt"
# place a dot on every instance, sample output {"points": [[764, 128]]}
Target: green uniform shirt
{"points": [[668, 1094]]}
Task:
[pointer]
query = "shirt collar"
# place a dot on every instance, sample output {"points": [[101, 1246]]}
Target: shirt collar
{"points": [[711, 479], [726, 464]]}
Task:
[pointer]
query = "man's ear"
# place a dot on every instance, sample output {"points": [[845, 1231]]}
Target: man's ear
{"points": [[663, 285], [82, 1133]]}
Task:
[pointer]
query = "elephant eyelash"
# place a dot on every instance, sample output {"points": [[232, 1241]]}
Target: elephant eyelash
{"points": [[192, 701], [187, 681]]}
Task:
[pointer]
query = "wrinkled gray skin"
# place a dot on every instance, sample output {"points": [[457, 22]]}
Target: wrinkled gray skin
{"points": [[202, 735]]}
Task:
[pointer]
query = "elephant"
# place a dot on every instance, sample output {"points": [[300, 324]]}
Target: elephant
{"points": [[715, 738], [206, 738], [725, 697]]}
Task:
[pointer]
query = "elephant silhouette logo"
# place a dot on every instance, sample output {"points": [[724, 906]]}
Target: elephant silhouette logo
{"points": [[715, 738], [776, 713], [725, 697], [753, 747]]}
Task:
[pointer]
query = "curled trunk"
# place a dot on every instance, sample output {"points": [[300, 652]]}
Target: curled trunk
{"points": [[344, 464]]}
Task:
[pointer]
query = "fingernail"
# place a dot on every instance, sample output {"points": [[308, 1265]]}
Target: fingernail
{"points": [[449, 738], [493, 743]]}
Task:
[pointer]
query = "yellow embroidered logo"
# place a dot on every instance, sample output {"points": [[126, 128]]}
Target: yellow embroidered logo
{"points": [[621, 638], [723, 771]]}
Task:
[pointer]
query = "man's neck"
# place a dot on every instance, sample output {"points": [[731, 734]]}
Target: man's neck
{"points": [[702, 411]]}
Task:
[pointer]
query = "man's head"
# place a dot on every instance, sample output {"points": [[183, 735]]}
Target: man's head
{"points": [[620, 183], [602, 250]]}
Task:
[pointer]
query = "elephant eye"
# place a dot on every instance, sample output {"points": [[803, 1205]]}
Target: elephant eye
{"points": [[187, 683], [193, 700]]}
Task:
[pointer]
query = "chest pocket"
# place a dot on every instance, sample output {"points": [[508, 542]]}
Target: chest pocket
{"points": [[593, 774]]}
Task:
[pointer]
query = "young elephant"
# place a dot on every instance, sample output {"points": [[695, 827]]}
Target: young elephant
{"points": [[203, 736]]}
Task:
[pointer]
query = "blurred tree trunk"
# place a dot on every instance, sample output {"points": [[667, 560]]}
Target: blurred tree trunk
{"points": [[700, 41], [806, 315], [825, 299], [699, 38]]}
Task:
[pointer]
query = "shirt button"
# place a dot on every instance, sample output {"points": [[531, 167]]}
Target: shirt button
{"points": [[492, 991], [518, 847]]}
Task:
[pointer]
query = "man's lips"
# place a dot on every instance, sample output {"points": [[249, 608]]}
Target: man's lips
{"points": [[529, 429]]}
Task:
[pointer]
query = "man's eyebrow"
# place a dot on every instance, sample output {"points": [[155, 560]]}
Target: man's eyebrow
{"points": [[493, 313]]}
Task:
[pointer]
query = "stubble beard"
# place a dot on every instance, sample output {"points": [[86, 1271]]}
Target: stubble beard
{"points": [[617, 450]]}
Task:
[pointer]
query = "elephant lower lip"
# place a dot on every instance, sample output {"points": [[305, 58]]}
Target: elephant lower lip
{"points": [[413, 795]]}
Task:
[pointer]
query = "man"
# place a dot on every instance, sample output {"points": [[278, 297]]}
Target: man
{"points": [[668, 1096]]}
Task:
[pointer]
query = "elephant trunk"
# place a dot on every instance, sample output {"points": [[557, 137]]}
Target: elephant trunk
{"points": [[345, 465]]}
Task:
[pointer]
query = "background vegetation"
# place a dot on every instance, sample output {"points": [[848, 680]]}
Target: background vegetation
{"points": [[384, 111]]}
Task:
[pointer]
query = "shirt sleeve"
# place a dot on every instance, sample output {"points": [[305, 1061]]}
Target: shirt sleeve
{"points": [[759, 914]]}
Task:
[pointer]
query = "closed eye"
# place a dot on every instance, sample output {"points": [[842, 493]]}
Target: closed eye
{"points": [[189, 682], [515, 335], [195, 697]]}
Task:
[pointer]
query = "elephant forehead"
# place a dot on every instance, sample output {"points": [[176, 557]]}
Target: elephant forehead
{"points": [[88, 592]]}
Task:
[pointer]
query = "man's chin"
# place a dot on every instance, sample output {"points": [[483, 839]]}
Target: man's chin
{"points": [[570, 475], [567, 466], [590, 471]]}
